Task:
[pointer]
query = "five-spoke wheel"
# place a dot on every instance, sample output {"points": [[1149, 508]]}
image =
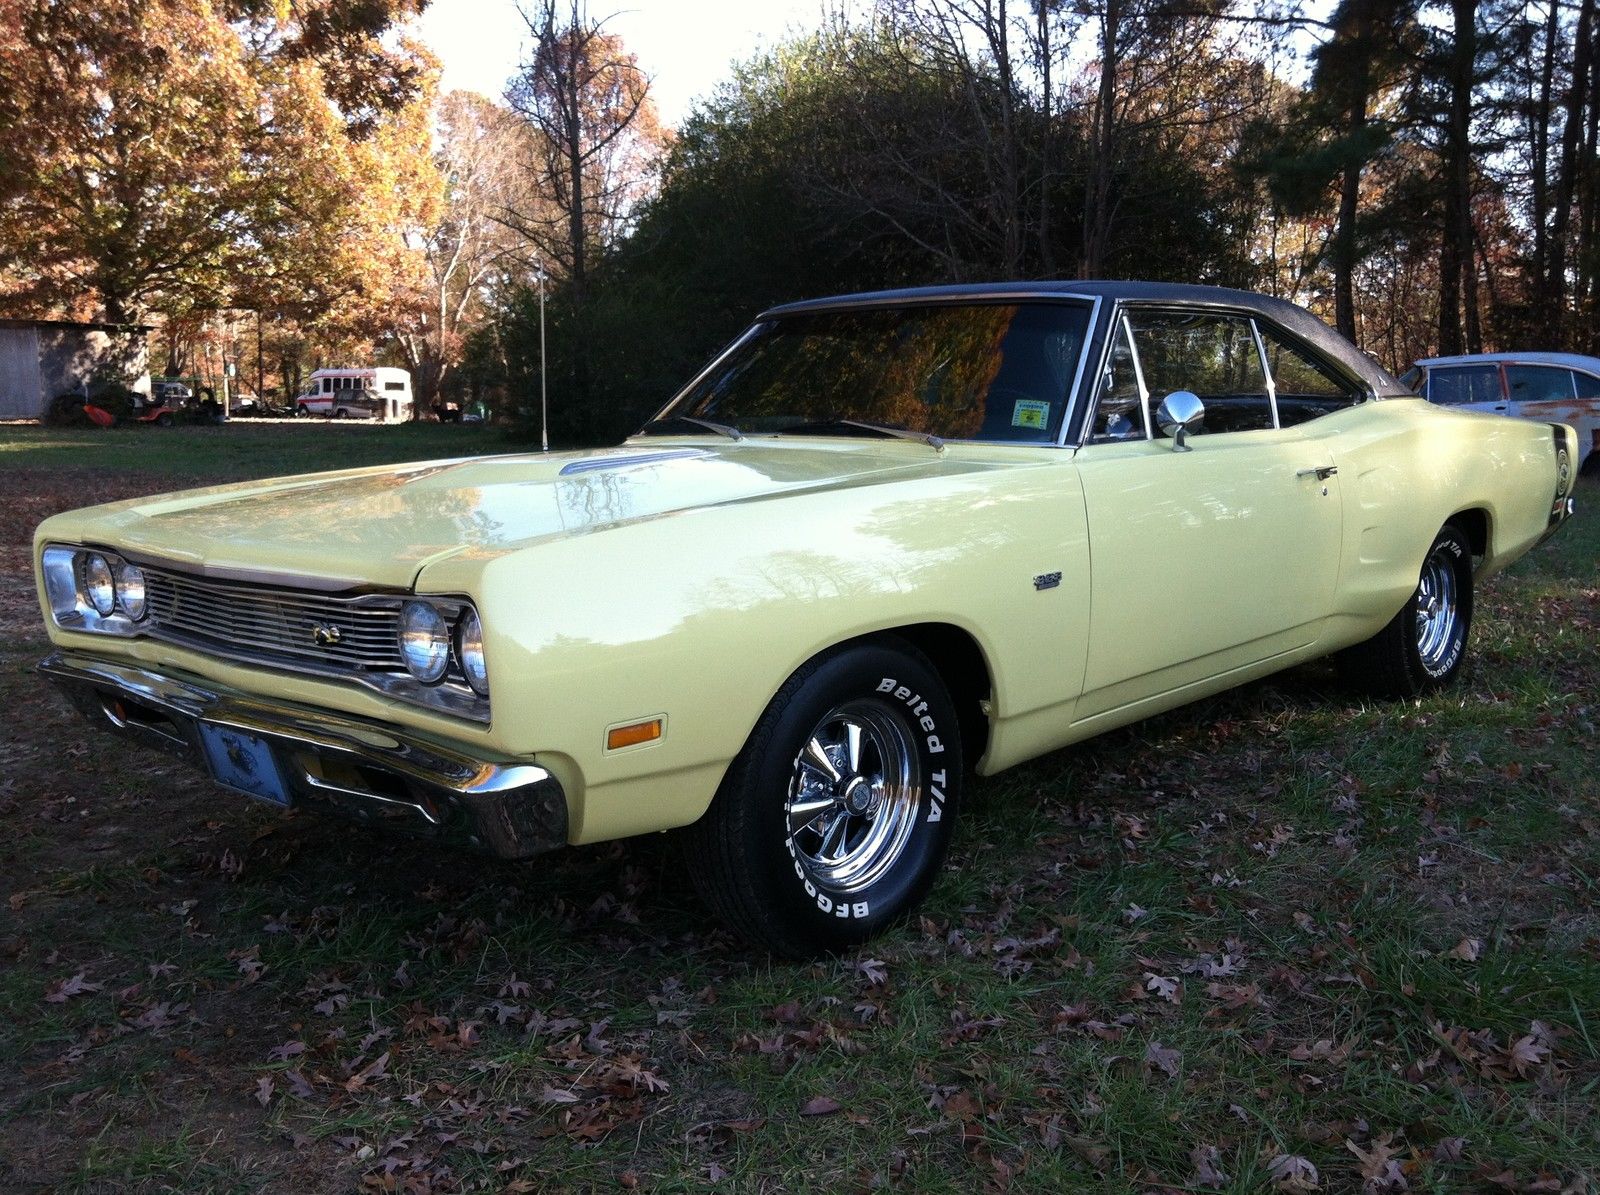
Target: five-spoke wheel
{"points": [[833, 821]]}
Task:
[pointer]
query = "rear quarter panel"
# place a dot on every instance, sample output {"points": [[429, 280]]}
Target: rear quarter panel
{"points": [[1406, 467]]}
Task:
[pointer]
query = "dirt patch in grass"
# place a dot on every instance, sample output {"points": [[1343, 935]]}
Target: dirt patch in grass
{"points": [[1281, 933]]}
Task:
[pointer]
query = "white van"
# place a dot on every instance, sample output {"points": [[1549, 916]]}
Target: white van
{"points": [[379, 393]]}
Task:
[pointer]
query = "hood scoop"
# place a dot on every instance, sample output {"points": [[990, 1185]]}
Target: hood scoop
{"points": [[630, 461]]}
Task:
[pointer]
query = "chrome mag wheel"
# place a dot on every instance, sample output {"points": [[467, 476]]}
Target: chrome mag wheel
{"points": [[1438, 612], [853, 796]]}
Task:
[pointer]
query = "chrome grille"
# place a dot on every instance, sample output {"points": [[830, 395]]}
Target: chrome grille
{"points": [[271, 623]]}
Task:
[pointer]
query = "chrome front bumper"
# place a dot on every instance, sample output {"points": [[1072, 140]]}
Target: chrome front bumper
{"points": [[355, 768]]}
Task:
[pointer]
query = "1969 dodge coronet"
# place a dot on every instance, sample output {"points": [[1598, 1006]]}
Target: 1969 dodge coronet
{"points": [[881, 542]]}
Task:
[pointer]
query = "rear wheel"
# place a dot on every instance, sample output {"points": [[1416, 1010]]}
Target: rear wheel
{"points": [[833, 821], [1423, 646], [164, 420]]}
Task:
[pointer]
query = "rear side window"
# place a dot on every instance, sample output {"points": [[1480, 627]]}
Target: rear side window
{"points": [[1586, 384], [1214, 356], [1538, 383], [1452, 385], [1305, 387], [394, 385]]}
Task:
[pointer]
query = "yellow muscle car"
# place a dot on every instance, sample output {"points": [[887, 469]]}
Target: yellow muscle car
{"points": [[881, 542]]}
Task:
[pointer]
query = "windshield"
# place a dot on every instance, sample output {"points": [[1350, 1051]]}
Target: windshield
{"points": [[976, 372]]}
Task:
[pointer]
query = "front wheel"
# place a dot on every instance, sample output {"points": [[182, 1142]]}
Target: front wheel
{"points": [[1423, 646], [833, 821]]}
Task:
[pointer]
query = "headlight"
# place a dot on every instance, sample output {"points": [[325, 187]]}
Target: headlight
{"points": [[130, 590], [424, 642], [93, 590], [469, 651], [98, 587]]}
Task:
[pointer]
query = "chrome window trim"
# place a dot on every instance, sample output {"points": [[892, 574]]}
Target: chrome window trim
{"points": [[1118, 325], [1138, 375], [1266, 372], [1075, 391]]}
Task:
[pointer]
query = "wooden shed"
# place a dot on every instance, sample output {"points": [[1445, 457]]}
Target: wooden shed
{"points": [[40, 359]]}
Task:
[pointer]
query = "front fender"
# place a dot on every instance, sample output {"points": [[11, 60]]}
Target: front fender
{"points": [[698, 617]]}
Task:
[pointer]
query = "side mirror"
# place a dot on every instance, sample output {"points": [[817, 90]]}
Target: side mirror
{"points": [[1180, 413]]}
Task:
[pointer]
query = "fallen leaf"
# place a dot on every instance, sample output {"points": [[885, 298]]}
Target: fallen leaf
{"points": [[1380, 1172], [376, 1069], [1291, 1172], [68, 988], [821, 1105], [1164, 986], [1207, 1163], [1165, 1059]]}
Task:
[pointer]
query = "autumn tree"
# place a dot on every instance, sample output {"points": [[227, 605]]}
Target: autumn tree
{"points": [[469, 244], [598, 136], [156, 152]]}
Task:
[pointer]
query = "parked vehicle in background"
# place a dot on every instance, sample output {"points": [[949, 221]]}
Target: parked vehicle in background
{"points": [[1549, 387], [173, 391], [378, 393]]}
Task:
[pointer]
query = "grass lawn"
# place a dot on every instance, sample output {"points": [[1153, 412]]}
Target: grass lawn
{"points": [[1282, 939]]}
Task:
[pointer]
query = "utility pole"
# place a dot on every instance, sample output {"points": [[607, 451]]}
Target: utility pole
{"points": [[544, 402]]}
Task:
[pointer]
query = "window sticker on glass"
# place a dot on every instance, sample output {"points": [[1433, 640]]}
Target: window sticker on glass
{"points": [[1030, 412]]}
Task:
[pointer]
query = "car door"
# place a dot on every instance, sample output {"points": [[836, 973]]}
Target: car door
{"points": [[1209, 561]]}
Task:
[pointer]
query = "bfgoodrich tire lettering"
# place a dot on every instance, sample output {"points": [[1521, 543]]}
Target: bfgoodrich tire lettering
{"points": [[1423, 646], [833, 821]]}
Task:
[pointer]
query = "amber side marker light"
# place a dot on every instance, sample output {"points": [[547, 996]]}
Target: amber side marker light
{"points": [[631, 736]]}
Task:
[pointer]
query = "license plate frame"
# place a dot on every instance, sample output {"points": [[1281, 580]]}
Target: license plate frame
{"points": [[244, 762]]}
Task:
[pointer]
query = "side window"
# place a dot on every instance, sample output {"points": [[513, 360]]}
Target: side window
{"points": [[1538, 383], [1120, 413], [1305, 387], [1586, 384], [1455, 384], [327, 385], [1214, 356]]}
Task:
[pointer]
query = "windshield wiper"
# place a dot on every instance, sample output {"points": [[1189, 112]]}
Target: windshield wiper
{"points": [[658, 427], [839, 426]]}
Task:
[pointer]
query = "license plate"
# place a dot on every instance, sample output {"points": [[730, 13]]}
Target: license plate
{"points": [[244, 762]]}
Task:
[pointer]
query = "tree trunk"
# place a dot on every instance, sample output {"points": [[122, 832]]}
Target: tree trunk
{"points": [[1047, 255], [1097, 196], [1455, 256], [1544, 304], [1567, 176], [1344, 238]]}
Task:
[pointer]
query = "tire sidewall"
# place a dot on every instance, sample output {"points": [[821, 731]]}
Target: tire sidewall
{"points": [[1453, 539], [906, 685]]}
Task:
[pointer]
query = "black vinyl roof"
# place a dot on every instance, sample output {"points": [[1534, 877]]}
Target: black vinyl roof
{"points": [[1291, 318]]}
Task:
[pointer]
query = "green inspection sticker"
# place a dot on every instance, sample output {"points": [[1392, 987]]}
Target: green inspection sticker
{"points": [[1030, 412]]}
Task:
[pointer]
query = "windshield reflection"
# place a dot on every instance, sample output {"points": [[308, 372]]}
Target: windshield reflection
{"points": [[998, 372]]}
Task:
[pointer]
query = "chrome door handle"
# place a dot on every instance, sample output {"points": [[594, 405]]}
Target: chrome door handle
{"points": [[1321, 472]]}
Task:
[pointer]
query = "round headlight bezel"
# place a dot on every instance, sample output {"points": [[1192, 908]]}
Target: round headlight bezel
{"points": [[423, 638], [130, 589], [99, 582], [469, 652]]}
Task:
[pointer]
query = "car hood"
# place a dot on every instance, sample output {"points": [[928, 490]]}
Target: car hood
{"points": [[382, 526]]}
